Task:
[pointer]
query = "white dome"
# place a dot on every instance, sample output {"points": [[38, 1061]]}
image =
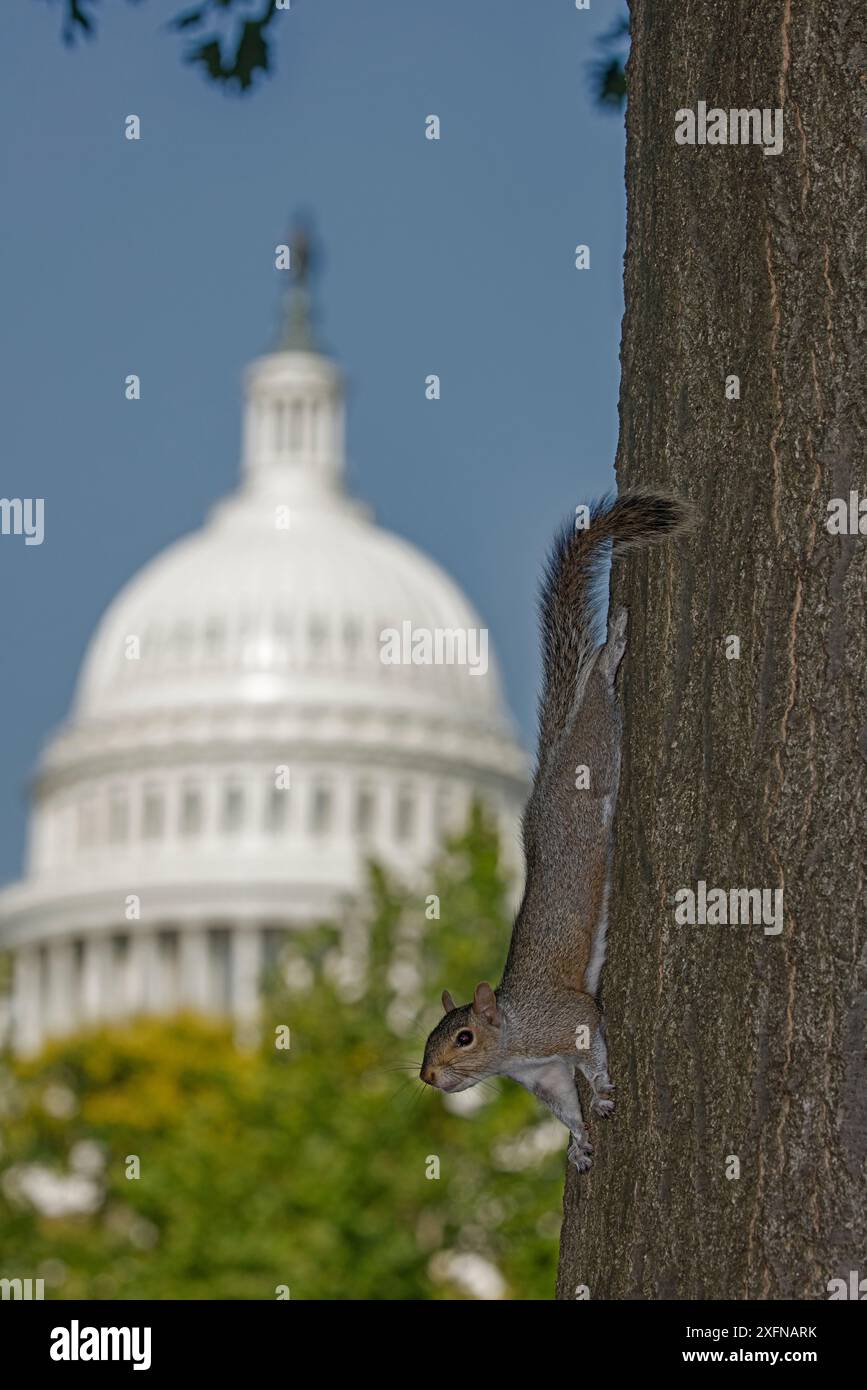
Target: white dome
{"points": [[290, 643], [242, 611], [285, 594]]}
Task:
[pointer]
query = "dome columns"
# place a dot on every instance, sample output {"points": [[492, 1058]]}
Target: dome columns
{"points": [[60, 987], [247, 964], [97, 989], [194, 969], [27, 1013], [68, 983]]}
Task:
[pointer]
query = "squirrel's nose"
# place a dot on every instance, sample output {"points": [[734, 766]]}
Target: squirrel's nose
{"points": [[428, 1074]]}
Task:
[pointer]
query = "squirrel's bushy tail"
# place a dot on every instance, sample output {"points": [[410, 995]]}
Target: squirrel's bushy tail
{"points": [[570, 599]]}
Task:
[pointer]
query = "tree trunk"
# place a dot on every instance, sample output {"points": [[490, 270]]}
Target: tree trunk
{"points": [[745, 773]]}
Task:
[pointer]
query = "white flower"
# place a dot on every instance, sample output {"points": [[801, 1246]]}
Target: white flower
{"points": [[472, 1274], [52, 1193], [59, 1102], [86, 1157]]}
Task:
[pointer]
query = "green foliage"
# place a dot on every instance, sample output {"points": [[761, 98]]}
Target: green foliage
{"points": [[233, 46], [303, 1167], [233, 43], [608, 74], [609, 82]]}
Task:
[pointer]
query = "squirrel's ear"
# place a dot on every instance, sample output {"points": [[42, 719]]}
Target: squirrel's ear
{"points": [[485, 1004], [448, 1002]]}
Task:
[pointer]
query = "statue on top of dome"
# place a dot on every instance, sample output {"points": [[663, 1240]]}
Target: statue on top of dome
{"points": [[296, 329]]}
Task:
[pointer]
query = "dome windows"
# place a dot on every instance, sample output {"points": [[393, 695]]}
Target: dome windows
{"points": [[215, 639], [293, 426], [276, 810], [282, 631], [365, 810], [296, 433], [191, 817], [232, 809], [321, 809], [87, 824], [153, 813], [443, 809], [118, 817], [180, 643], [185, 809], [404, 814], [351, 639], [317, 636], [279, 419]]}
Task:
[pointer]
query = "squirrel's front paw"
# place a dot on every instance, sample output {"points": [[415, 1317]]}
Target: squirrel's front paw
{"points": [[580, 1153]]}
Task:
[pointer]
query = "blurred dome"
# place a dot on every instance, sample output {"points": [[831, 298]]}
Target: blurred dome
{"points": [[243, 611], [242, 740]]}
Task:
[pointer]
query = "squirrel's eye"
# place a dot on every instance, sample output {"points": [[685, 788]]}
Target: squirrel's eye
{"points": [[464, 1038]]}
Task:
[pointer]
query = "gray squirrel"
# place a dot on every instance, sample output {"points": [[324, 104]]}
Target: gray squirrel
{"points": [[544, 1019]]}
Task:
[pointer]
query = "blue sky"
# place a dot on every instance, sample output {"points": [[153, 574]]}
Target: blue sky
{"points": [[156, 257]]}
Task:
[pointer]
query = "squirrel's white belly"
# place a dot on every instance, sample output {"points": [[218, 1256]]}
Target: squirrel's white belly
{"points": [[539, 1072]]}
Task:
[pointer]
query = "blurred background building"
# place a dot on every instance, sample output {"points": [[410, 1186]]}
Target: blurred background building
{"points": [[237, 749]]}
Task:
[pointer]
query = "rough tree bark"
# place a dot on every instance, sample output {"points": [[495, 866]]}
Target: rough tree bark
{"points": [[750, 772]]}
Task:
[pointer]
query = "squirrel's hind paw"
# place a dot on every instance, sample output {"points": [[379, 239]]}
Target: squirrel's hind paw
{"points": [[602, 1103], [580, 1154]]}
